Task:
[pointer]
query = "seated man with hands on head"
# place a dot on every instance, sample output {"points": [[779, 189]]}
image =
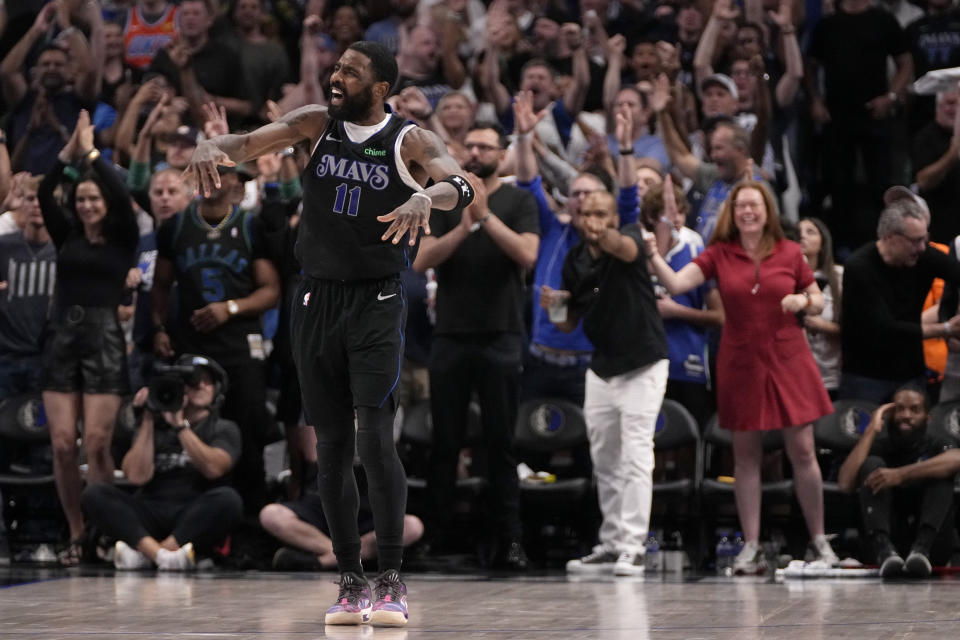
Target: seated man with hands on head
{"points": [[179, 459], [902, 471]]}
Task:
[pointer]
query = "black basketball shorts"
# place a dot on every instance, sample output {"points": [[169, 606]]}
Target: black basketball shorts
{"points": [[347, 340]]}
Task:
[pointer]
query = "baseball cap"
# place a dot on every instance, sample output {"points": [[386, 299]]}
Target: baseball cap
{"points": [[187, 134], [243, 171], [893, 194], [720, 80]]}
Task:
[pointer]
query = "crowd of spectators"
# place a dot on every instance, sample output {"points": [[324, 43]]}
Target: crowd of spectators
{"points": [[109, 266]]}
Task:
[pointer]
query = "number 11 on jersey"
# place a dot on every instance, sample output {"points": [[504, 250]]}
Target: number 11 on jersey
{"points": [[354, 205]]}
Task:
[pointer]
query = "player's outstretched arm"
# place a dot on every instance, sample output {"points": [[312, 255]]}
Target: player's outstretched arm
{"points": [[305, 123], [451, 191]]}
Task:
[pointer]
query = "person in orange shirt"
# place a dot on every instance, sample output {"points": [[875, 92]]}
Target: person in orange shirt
{"points": [[149, 26], [934, 349]]}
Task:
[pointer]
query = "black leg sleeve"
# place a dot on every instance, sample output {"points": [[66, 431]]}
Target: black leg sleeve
{"points": [[337, 487], [386, 481], [208, 519]]}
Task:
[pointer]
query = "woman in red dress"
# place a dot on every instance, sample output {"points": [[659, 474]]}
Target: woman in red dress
{"points": [[766, 376]]}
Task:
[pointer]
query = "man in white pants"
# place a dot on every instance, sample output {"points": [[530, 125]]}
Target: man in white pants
{"points": [[606, 283]]}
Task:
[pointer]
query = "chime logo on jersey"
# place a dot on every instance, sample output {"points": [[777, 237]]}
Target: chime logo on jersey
{"points": [[375, 175]]}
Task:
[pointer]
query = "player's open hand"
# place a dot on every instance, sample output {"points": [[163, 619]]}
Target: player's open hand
{"points": [[201, 173], [410, 217]]}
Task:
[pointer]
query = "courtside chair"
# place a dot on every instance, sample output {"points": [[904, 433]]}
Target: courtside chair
{"points": [[31, 510], [676, 479], [945, 420], [835, 435], [416, 438], [716, 490], [559, 513]]}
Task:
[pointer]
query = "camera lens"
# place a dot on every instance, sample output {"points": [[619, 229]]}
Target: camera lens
{"points": [[166, 393]]}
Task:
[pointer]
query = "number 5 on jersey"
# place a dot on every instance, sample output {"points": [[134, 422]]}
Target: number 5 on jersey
{"points": [[354, 205]]}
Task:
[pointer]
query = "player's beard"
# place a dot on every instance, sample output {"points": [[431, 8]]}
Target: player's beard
{"points": [[482, 171], [353, 107]]}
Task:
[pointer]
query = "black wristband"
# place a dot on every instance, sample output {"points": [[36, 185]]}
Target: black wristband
{"points": [[464, 190], [626, 152]]}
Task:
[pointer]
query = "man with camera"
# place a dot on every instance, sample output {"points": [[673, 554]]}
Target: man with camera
{"points": [[180, 455], [899, 473]]}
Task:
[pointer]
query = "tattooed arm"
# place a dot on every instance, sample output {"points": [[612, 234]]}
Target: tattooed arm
{"points": [[305, 123], [426, 155]]}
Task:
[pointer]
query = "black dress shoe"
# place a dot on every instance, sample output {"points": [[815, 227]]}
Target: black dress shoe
{"points": [[511, 557]]}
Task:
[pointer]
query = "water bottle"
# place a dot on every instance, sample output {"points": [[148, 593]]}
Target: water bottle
{"points": [[736, 544], [653, 563], [725, 554]]}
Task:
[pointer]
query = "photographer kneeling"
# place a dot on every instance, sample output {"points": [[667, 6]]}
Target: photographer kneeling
{"points": [[179, 458]]}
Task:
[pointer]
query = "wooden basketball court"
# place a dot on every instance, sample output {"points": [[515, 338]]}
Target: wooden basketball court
{"points": [[61, 605]]}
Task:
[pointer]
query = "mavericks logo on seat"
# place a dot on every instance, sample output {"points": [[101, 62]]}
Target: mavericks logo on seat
{"points": [[547, 420]]}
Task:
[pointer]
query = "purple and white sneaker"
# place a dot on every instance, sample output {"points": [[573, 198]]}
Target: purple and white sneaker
{"points": [[353, 603], [390, 606]]}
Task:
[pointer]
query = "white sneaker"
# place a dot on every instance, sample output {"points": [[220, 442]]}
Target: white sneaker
{"points": [[180, 560], [597, 561], [126, 557], [630, 563], [823, 550], [750, 560]]}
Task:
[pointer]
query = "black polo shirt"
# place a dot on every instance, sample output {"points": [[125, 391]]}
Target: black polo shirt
{"points": [[479, 287], [615, 299], [899, 451]]}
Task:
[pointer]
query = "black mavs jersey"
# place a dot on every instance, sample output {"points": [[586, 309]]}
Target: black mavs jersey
{"points": [[346, 186], [213, 264]]}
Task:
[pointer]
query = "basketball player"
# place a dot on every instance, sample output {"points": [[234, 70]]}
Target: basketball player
{"points": [[367, 170]]}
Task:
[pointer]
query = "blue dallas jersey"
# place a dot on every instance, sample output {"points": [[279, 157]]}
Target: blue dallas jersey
{"points": [[687, 342]]}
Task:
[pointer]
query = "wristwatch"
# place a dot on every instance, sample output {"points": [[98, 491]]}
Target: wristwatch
{"points": [[183, 425], [232, 307], [476, 225]]}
